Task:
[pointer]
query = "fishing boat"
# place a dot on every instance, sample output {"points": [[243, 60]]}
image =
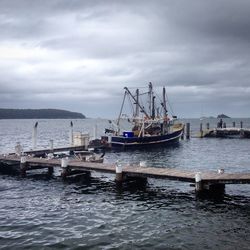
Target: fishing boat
{"points": [[151, 125]]}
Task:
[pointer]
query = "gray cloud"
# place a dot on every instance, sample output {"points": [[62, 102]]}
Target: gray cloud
{"points": [[80, 54]]}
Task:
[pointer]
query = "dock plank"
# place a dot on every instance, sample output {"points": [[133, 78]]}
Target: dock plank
{"points": [[47, 151], [133, 170]]}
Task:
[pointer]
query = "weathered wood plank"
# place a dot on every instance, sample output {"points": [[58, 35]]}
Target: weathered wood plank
{"points": [[60, 149], [152, 172]]}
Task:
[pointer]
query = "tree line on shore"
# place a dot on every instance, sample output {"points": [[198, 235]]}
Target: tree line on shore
{"points": [[39, 114]]}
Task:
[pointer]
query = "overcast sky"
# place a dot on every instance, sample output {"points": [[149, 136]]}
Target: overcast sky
{"points": [[79, 54]]}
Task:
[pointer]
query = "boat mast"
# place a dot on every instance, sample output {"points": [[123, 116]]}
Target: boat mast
{"points": [[150, 93], [142, 109], [153, 108], [164, 105], [136, 103]]}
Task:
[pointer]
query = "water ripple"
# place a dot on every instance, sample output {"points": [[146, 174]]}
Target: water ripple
{"points": [[41, 213]]}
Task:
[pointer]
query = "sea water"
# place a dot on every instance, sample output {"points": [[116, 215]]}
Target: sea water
{"points": [[46, 213]]}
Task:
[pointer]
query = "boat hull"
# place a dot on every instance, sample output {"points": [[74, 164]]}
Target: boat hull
{"points": [[145, 141]]}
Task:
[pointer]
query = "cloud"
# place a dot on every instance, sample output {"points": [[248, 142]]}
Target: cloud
{"points": [[80, 54]]}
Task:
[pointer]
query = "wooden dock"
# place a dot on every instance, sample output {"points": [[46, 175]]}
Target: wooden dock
{"points": [[226, 132], [42, 152], [203, 180]]}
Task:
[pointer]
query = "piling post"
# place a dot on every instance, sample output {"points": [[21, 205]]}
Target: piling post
{"points": [[34, 136], [118, 172], [50, 171], [217, 189], [224, 125], [71, 140], [50, 156], [188, 130], [201, 130], [233, 124], [182, 135], [65, 168], [241, 124], [183, 132], [208, 126], [198, 182], [23, 166]]}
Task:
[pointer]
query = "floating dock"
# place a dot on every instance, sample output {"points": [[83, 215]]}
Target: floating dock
{"points": [[69, 167]]}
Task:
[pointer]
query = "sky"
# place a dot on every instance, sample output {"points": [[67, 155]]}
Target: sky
{"points": [[79, 55]]}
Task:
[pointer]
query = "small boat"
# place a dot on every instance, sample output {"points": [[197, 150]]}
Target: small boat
{"points": [[150, 127]]}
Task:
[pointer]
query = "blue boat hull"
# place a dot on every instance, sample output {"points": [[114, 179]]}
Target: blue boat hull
{"points": [[138, 142]]}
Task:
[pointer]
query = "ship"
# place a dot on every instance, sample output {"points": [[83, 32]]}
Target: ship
{"points": [[150, 125]]}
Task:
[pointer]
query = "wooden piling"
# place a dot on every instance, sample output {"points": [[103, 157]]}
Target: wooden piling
{"points": [[34, 136], [198, 182], [217, 188], [71, 138], [207, 125], [224, 125], [183, 132], [201, 130], [241, 124], [65, 168], [233, 124], [50, 170], [118, 172], [23, 166], [188, 130]]}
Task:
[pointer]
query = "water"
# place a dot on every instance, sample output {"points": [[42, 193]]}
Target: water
{"points": [[41, 213]]}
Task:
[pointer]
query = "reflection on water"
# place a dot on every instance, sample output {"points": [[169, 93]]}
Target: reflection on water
{"points": [[95, 213]]}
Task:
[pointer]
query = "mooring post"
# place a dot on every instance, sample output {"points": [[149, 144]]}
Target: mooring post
{"points": [[188, 130], [118, 172], [241, 124], [207, 125], [64, 166], [224, 125], [50, 170], [50, 156], [201, 130], [23, 166], [183, 132], [233, 124], [198, 182], [71, 140], [34, 136]]}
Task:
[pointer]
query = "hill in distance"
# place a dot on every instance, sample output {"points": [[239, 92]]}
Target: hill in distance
{"points": [[39, 114], [223, 116]]}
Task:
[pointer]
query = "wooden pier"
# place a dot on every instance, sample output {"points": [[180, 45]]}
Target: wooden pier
{"points": [[224, 131], [227, 133], [202, 180], [40, 152]]}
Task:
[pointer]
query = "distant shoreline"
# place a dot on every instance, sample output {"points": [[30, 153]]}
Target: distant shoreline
{"points": [[39, 114]]}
